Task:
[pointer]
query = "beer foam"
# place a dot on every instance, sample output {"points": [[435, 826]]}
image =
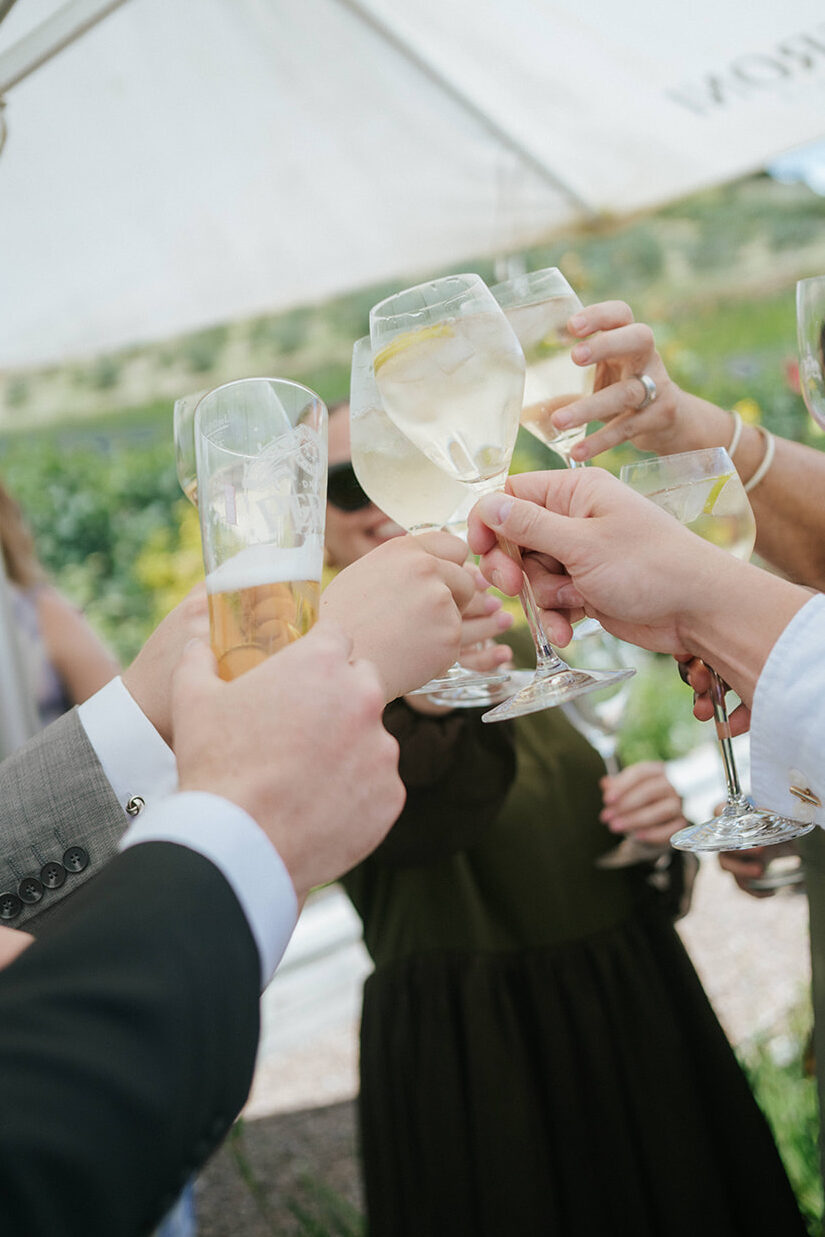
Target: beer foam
{"points": [[267, 564]]}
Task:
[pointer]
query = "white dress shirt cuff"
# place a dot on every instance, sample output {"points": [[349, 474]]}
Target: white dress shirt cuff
{"points": [[787, 771], [132, 754], [226, 835]]}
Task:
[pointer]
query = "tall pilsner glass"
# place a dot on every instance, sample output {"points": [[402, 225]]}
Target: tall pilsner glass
{"points": [[702, 490], [450, 372], [261, 449]]}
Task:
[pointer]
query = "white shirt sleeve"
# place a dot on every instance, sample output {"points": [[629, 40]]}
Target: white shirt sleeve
{"points": [[132, 754], [787, 732], [225, 834]]}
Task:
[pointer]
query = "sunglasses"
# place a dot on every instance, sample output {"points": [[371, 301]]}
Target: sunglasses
{"points": [[343, 488]]}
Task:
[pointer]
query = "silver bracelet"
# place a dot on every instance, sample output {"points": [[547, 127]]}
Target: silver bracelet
{"points": [[767, 458], [737, 432]]}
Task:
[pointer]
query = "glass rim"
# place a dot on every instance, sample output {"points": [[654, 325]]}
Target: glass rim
{"points": [[473, 286], [641, 466], [314, 400], [534, 295]]}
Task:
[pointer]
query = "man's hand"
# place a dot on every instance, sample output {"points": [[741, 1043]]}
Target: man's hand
{"points": [[402, 606], [299, 744], [149, 678], [12, 943]]}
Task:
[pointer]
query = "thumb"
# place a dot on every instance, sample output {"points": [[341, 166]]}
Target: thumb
{"points": [[196, 671], [528, 525]]}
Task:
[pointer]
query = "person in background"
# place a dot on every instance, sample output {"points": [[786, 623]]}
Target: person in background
{"points": [[537, 1053], [64, 661]]}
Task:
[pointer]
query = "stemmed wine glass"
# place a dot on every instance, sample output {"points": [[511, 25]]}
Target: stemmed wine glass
{"points": [[450, 372], [405, 484], [702, 490], [538, 306], [810, 330]]}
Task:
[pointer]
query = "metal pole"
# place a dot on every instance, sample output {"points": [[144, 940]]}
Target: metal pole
{"points": [[50, 37], [18, 720]]}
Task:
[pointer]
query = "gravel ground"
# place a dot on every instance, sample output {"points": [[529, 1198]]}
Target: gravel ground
{"points": [[295, 1153]]}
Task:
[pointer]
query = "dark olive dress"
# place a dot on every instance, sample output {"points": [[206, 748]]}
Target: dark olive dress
{"points": [[537, 1054]]}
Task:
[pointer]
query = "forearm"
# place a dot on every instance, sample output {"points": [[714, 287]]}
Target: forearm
{"points": [[735, 622]]}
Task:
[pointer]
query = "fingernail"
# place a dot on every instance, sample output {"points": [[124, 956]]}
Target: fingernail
{"points": [[561, 420], [495, 578], [577, 322], [581, 353], [499, 509]]}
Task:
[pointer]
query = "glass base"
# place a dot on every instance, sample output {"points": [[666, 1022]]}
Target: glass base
{"points": [[740, 827], [459, 676], [478, 696], [550, 688]]}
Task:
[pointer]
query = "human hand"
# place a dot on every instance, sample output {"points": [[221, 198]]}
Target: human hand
{"points": [[483, 620], [696, 674], [12, 943], [299, 744], [621, 349], [746, 866], [402, 606], [640, 802], [148, 679], [591, 545]]}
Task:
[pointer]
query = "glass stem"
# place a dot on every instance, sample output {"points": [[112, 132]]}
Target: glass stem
{"points": [[720, 717], [547, 659]]}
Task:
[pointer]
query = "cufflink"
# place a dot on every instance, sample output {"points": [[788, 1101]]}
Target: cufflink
{"points": [[805, 795], [135, 805]]}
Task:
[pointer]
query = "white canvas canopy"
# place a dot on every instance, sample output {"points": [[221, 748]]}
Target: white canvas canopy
{"points": [[190, 162]]}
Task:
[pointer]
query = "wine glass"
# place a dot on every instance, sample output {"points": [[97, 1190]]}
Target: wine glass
{"points": [[404, 484], [599, 717], [538, 306], [810, 329], [183, 420], [451, 376], [702, 489]]}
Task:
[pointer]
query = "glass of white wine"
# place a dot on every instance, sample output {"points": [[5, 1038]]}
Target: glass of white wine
{"points": [[405, 485], [538, 306], [810, 329], [702, 490], [450, 372]]}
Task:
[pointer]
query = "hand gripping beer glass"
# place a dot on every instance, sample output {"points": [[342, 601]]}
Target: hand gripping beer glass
{"points": [[703, 491], [261, 449], [450, 371]]}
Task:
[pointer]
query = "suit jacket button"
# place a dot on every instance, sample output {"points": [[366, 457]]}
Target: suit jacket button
{"points": [[75, 859], [30, 890], [53, 875], [10, 906]]}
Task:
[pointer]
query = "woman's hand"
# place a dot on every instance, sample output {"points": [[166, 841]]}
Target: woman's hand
{"points": [[622, 350], [641, 802]]}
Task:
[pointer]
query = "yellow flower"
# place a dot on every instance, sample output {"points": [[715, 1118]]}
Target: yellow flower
{"points": [[749, 410]]}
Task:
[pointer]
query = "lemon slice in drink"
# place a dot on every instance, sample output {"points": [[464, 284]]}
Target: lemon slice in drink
{"points": [[411, 339], [717, 486]]}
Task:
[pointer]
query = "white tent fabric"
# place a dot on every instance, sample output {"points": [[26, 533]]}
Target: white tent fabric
{"points": [[191, 162]]}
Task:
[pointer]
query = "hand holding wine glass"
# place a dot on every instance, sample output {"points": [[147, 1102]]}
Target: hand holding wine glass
{"points": [[451, 376]]}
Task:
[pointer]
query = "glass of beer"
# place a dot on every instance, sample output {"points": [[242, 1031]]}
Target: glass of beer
{"points": [[261, 451], [184, 433]]}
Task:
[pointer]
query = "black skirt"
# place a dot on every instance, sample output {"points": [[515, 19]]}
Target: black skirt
{"points": [[578, 1090]]}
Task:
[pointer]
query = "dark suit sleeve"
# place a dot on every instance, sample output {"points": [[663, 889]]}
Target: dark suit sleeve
{"points": [[128, 1033], [60, 822]]}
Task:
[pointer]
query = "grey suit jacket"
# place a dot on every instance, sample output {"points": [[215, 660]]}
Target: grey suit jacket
{"points": [[60, 821]]}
